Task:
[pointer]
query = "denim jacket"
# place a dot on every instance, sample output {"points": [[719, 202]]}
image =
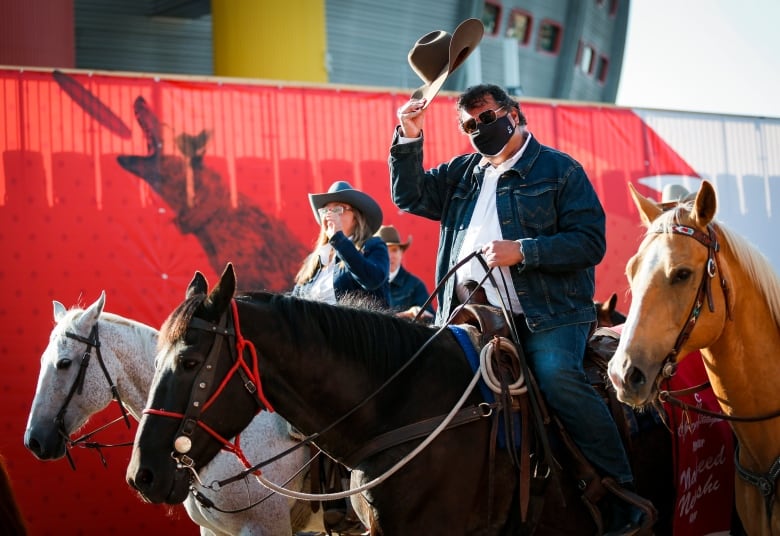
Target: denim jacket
{"points": [[408, 290], [364, 272], [546, 202]]}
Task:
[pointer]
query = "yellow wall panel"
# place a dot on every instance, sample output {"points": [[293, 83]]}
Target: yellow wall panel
{"points": [[270, 39]]}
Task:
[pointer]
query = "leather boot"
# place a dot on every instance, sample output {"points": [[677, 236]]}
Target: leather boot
{"points": [[624, 512]]}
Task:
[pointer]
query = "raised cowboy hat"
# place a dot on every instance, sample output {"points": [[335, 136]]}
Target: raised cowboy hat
{"points": [[390, 235], [343, 192], [437, 54]]}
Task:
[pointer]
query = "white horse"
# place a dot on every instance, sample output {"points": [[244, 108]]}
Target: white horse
{"points": [[128, 348]]}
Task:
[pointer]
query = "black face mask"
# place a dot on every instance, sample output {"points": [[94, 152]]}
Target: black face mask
{"points": [[490, 139]]}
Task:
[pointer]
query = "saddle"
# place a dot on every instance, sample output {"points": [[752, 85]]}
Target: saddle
{"points": [[488, 322]]}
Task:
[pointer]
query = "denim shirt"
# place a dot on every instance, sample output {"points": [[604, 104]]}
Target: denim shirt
{"points": [[546, 201], [363, 271]]}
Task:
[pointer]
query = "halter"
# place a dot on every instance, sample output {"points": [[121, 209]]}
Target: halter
{"points": [[78, 387], [200, 401], [709, 241]]}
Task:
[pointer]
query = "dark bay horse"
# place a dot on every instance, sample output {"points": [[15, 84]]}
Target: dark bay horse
{"points": [[314, 363], [607, 313]]}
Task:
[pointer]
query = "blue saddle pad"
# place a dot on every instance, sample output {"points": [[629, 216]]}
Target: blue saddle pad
{"points": [[462, 336]]}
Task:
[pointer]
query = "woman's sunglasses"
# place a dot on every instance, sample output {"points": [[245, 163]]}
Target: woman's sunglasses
{"points": [[470, 125], [338, 209]]}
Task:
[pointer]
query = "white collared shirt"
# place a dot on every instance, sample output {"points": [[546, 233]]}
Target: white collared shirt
{"points": [[321, 288], [485, 227]]}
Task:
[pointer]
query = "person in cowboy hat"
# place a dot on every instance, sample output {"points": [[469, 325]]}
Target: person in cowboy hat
{"points": [[348, 262], [347, 259], [407, 291], [674, 194], [533, 214]]}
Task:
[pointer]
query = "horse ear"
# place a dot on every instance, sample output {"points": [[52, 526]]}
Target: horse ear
{"points": [[223, 292], [59, 311], [93, 311], [613, 301], [705, 205], [648, 209], [198, 285]]}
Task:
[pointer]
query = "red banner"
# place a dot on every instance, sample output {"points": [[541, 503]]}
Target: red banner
{"points": [[131, 184]]}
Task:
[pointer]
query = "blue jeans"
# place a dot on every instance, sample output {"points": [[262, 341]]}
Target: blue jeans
{"points": [[555, 357]]}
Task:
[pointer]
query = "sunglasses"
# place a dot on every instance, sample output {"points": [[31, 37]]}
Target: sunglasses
{"points": [[470, 125], [338, 209]]}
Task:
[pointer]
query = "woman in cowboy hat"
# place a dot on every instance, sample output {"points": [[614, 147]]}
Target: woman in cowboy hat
{"points": [[407, 291], [347, 259]]}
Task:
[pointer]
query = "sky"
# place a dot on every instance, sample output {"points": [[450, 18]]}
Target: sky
{"points": [[717, 56]]}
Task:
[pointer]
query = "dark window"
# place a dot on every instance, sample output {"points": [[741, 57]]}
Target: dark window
{"points": [[602, 68], [550, 36], [491, 18], [519, 26]]}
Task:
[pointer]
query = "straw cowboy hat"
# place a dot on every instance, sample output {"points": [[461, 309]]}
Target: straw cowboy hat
{"points": [[390, 235], [343, 192], [437, 54], [672, 194]]}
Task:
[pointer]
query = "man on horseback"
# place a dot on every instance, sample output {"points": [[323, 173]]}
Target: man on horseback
{"points": [[533, 214]]}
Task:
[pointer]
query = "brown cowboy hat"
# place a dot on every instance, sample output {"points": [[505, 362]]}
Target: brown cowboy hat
{"points": [[437, 54], [390, 235], [343, 192]]}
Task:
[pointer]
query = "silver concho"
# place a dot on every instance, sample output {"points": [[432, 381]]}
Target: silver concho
{"points": [[183, 444]]}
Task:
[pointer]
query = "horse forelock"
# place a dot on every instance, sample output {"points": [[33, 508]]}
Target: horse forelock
{"points": [[177, 323]]}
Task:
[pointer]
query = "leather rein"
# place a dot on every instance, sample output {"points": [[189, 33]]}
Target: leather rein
{"points": [[77, 387], [764, 482]]}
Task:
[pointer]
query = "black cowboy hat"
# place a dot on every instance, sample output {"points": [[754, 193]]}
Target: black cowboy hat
{"points": [[343, 192]]}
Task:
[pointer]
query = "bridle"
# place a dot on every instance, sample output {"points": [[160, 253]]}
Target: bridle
{"points": [[78, 388], [200, 400], [710, 241]]}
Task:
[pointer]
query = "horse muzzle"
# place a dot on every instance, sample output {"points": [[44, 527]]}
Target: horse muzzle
{"points": [[165, 484], [45, 444], [630, 381]]}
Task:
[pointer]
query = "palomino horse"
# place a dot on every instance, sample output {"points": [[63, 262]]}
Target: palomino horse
{"points": [[121, 352], [697, 285], [368, 387]]}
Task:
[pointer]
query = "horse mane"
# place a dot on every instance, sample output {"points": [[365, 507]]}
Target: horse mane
{"points": [[749, 258], [368, 331]]}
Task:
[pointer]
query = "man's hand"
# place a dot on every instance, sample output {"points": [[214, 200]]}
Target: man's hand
{"points": [[412, 312], [502, 253], [412, 116]]}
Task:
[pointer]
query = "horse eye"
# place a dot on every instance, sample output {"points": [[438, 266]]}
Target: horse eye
{"points": [[681, 275], [188, 363], [63, 364]]}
